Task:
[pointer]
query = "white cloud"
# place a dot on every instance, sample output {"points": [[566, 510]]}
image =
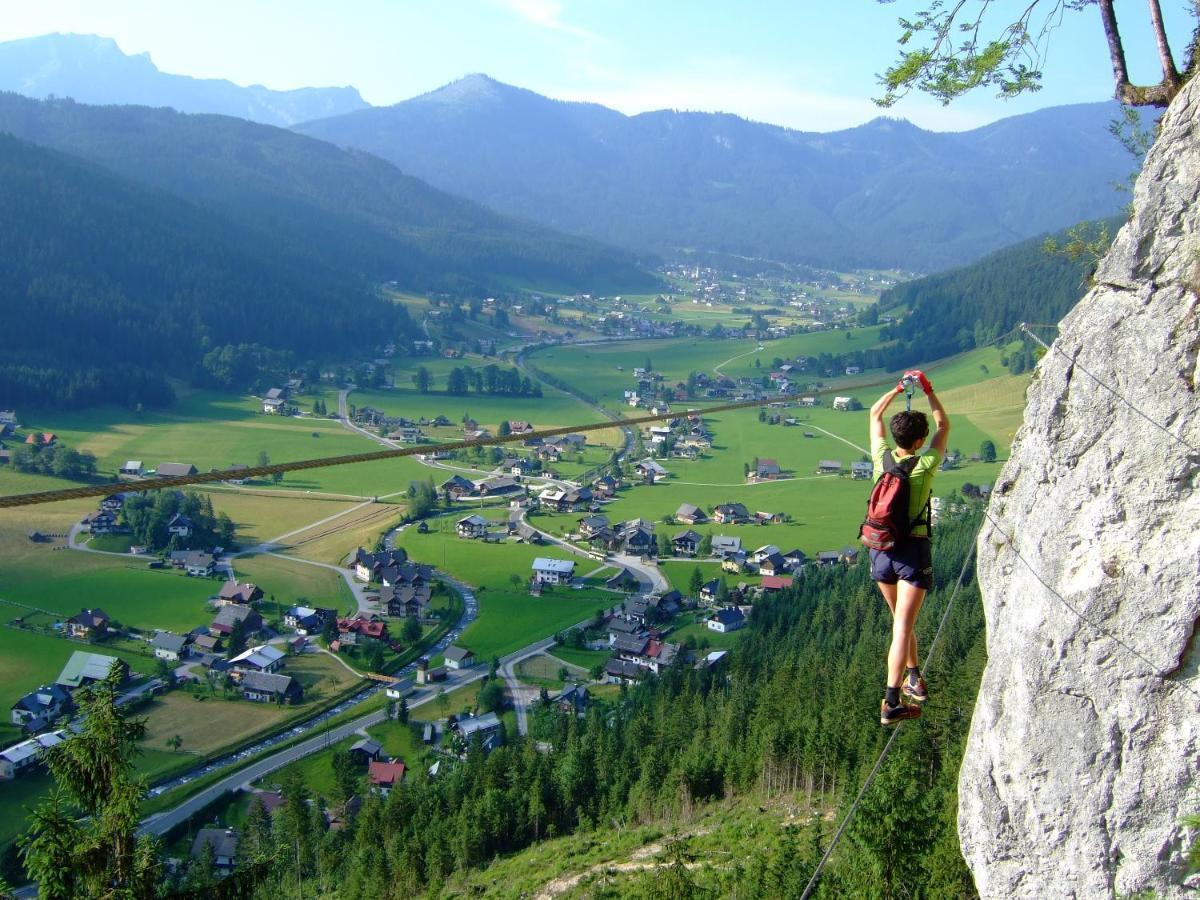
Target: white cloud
{"points": [[546, 14]]}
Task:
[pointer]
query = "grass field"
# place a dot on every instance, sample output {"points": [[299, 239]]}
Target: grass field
{"points": [[293, 582], [583, 658], [264, 517], [205, 723]]}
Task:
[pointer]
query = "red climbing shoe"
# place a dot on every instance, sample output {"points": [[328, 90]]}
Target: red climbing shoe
{"points": [[891, 715], [915, 690]]}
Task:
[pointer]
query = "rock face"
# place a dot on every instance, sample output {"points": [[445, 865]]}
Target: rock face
{"points": [[1083, 755]]}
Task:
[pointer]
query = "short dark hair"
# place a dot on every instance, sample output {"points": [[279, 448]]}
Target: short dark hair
{"points": [[909, 427]]}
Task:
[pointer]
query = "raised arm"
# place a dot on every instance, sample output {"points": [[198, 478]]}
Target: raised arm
{"points": [[942, 436], [880, 407]]}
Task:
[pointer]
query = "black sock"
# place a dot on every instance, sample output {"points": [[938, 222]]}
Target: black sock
{"points": [[914, 674], [892, 696]]}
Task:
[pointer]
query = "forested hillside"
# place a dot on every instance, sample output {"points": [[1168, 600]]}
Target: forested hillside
{"points": [[954, 311], [106, 287], [795, 713], [884, 194], [350, 210]]}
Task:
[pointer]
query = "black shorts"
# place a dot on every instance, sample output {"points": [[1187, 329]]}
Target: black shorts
{"points": [[911, 561]]}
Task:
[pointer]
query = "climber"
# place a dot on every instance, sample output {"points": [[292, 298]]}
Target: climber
{"points": [[903, 569]]}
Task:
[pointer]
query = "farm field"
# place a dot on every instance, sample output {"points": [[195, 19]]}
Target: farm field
{"points": [[332, 541], [264, 517]]}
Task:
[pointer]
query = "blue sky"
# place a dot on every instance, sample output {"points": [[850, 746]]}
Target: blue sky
{"points": [[807, 64]]}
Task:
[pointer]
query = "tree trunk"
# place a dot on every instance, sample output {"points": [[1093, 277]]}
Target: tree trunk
{"points": [[1170, 73], [1160, 94]]}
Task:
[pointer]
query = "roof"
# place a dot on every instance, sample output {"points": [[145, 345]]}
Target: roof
{"points": [[561, 566], [830, 464], [260, 657], [776, 582], [132, 464], [19, 752], [729, 616], [165, 640], [457, 654], [486, 722], [231, 615], [737, 509], [628, 643], [861, 466], [385, 774], [242, 593], [623, 669], [473, 519], [368, 746], [90, 618], [767, 550], [33, 701], [224, 842], [722, 541], [172, 469], [688, 535], [267, 682], [688, 510], [85, 666], [768, 467]]}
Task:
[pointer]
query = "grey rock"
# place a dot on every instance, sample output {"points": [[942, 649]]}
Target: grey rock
{"points": [[1082, 758]]}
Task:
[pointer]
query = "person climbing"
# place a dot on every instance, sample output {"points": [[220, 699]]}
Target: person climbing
{"points": [[900, 545]]}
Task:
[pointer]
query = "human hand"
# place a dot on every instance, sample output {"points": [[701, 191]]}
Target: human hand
{"points": [[918, 376]]}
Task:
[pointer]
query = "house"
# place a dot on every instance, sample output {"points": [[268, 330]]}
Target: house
{"points": [[624, 581], [114, 503], [362, 626], [169, 646], [553, 571], [384, 776], [774, 564], [208, 643], [686, 543], [861, 469], [767, 470], [473, 526], [638, 538], [829, 467], [488, 728], [764, 551], [132, 470], [234, 592], [518, 427], [772, 583], [459, 657], [406, 600], [224, 843], [848, 555], [606, 486], [650, 471], [273, 405], [710, 590], [590, 526], [734, 563], [194, 562], [365, 751], [731, 514], [88, 624], [9, 417], [620, 671], [828, 558], [426, 675], [687, 514], [102, 522], [235, 471], [26, 755], [174, 470], [457, 487], [43, 705], [795, 559], [573, 699], [266, 687], [85, 668], [372, 566], [723, 621], [401, 687], [724, 546], [843, 403], [44, 439], [232, 614], [180, 526], [263, 658], [498, 484]]}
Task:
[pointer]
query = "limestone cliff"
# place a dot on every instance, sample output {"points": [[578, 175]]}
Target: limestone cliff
{"points": [[1082, 760]]}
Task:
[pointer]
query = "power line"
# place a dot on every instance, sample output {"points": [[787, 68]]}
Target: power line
{"points": [[1075, 363], [887, 748], [1154, 668]]}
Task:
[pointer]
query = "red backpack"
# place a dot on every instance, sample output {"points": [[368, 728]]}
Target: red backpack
{"points": [[887, 523]]}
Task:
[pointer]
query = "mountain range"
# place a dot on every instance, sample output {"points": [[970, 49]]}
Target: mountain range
{"points": [[884, 194], [93, 69]]}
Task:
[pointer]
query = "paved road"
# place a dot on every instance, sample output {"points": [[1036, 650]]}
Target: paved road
{"points": [[515, 690]]}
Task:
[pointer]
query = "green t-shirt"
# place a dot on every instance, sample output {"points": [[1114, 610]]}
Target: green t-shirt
{"points": [[920, 481]]}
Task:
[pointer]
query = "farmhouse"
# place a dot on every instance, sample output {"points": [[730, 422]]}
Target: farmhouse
{"points": [[572, 699], [459, 657], [263, 658], [638, 537], [88, 624], [763, 552], [767, 470], [861, 469], [232, 614], [21, 757], [606, 486], [553, 571], [370, 566], [686, 543], [687, 514], [264, 687], [829, 467], [518, 427], [102, 522], [308, 619], [360, 626], [384, 776], [498, 484], [592, 525], [41, 706], [774, 564], [457, 487], [194, 562], [132, 470], [169, 646], [84, 668], [487, 728], [473, 526], [726, 620], [731, 514], [175, 470], [772, 583], [409, 601], [224, 843], [650, 471], [843, 403], [233, 592], [724, 546]]}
